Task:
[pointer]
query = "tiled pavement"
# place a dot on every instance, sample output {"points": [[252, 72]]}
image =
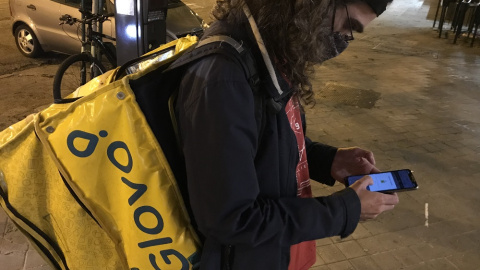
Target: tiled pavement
{"points": [[414, 100]]}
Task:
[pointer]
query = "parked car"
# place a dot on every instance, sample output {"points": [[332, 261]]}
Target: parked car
{"points": [[36, 24]]}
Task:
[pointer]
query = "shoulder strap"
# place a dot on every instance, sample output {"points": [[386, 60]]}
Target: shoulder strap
{"points": [[228, 46], [225, 45], [221, 38]]}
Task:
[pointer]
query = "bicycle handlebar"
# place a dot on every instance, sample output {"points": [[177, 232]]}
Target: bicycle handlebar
{"points": [[89, 18]]}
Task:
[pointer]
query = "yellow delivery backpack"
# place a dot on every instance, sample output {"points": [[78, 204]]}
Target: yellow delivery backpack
{"points": [[95, 180]]}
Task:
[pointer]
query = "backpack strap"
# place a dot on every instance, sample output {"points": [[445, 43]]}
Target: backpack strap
{"points": [[242, 55], [221, 38], [228, 46], [217, 45]]}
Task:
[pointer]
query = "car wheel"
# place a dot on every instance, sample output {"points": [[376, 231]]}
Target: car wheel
{"points": [[27, 42]]}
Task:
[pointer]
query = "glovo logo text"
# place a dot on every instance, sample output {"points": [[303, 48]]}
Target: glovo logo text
{"points": [[139, 190]]}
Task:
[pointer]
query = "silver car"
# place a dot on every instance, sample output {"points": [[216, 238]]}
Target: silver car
{"points": [[36, 24]]}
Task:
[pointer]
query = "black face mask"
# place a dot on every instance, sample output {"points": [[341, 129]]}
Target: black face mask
{"points": [[336, 44], [340, 43]]}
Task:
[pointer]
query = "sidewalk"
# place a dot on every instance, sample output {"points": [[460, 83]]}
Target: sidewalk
{"points": [[414, 100]]}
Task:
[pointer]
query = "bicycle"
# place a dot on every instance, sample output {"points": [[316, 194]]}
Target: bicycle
{"points": [[80, 68]]}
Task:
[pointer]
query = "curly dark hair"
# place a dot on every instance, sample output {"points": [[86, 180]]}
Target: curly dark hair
{"points": [[294, 32]]}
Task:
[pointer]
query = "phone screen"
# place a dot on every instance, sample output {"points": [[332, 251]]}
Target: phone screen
{"points": [[394, 180]]}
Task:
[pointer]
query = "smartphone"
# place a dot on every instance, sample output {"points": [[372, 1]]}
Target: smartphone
{"points": [[388, 182]]}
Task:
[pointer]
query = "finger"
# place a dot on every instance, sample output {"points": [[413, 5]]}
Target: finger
{"points": [[378, 210], [366, 181], [386, 208], [374, 170], [390, 199], [370, 167], [368, 216], [369, 156], [365, 165]]}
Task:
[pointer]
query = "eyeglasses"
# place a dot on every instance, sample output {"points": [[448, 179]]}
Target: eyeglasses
{"points": [[347, 37]]}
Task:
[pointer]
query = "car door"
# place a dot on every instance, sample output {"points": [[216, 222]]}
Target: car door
{"points": [[45, 16], [44, 19], [69, 36]]}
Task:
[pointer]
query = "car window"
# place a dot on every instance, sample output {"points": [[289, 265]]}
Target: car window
{"points": [[108, 7], [76, 4]]}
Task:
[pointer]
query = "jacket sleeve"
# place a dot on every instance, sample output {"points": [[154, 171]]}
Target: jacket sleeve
{"points": [[219, 138], [320, 158]]}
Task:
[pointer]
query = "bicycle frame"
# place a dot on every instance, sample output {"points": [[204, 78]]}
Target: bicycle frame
{"points": [[93, 39], [92, 48], [103, 49]]}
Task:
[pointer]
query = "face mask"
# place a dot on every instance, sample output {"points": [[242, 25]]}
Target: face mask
{"points": [[340, 43], [336, 45]]}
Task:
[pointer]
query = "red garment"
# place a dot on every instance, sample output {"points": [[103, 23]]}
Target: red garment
{"points": [[302, 255]]}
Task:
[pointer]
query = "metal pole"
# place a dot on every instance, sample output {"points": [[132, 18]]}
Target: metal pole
{"points": [[95, 11], [83, 70], [82, 7], [100, 8], [436, 13]]}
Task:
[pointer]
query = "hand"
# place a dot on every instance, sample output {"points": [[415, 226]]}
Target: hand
{"points": [[352, 161], [373, 203]]}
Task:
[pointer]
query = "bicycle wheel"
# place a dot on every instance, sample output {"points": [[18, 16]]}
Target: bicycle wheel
{"points": [[74, 72]]}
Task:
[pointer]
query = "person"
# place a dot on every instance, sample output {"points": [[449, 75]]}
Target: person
{"points": [[248, 183]]}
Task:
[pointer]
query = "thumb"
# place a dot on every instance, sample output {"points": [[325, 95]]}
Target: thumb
{"points": [[365, 181]]}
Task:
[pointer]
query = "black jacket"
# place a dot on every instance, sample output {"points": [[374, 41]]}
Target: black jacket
{"points": [[242, 189]]}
